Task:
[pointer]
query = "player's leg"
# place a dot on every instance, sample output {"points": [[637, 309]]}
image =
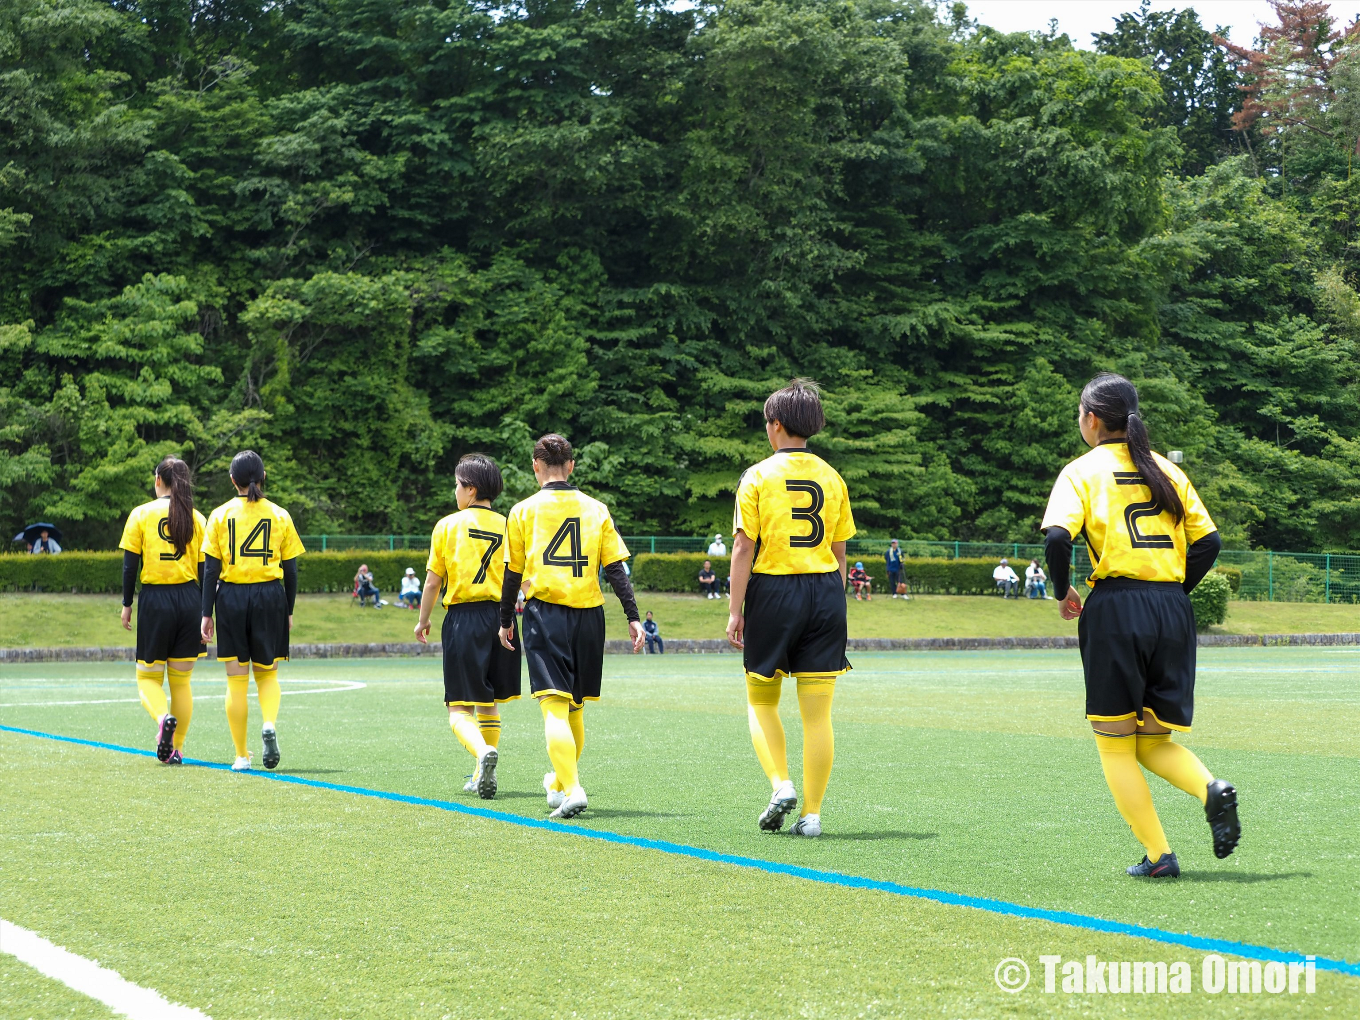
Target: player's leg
{"points": [[267, 690], [180, 673], [815, 692], [238, 711], [489, 723], [562, 753], [151, 693], [775, 613]]}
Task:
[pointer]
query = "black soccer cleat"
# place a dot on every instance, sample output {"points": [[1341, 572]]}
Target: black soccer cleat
{"points": [[486, 775], [165, 737], [1165, 866], [1220, 808], [781, 803], [271, 748]]}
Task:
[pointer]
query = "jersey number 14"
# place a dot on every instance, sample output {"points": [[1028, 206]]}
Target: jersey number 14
{"points": [[256, 544]]}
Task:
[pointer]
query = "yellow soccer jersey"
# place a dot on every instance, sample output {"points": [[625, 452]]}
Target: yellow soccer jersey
{"points": [[794, 505], [466, 550], [1102, 497], [147, 533], [559, 539], [251, 540]]}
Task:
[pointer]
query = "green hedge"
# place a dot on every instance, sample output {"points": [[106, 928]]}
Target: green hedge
{"points": [[680, 571], [674, 571], [1234, 576], [1210, 600]]}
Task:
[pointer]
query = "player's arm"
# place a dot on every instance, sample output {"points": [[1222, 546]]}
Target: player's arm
{"points": [[132, 563], [838, 551], [1199, 559], [623, 588], [289, 568], [433, 582], [743, 552], [212, 571], [1058, 556]]}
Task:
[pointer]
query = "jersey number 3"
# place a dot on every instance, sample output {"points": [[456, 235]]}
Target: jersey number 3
{"points": [[812, 513], [256, 543], [569, 535], [494, 541]]}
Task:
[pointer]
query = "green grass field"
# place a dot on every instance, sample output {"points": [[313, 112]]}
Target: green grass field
{"points": [[51, 621], [968, 772]]}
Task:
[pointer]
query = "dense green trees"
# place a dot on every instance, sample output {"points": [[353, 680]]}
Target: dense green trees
{"points": [[366, 236]]}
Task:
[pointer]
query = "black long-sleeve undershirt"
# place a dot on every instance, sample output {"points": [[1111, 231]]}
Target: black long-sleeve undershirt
{"points": [[290, 583], [623, 588], [1199, 559], [132, 566], [212, 571], [509, 596]]}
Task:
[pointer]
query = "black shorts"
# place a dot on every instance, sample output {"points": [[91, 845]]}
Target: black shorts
{"points": [[252, 622], [169, 623], [795, 625], [478, 669], [1138, 650], [565, 649]]}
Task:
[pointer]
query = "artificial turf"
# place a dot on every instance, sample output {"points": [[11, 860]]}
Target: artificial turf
{"points": [[968, 772]]}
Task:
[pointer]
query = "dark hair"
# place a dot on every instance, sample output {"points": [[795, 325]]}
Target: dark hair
{"points": [[553, 450], [478, 471], [174, 475], [798, 407], [1114, 400], [247, 469]]}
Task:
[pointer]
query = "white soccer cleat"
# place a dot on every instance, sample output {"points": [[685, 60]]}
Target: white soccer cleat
{"points": [[471, 785], [486, 774], [241, 764], [555, 797], [784, 800], [573, 805], [808, 825]]}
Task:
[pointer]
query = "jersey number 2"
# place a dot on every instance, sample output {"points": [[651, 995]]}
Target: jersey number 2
{"points": [[495, 543], [569, 535], [812, 513], [256, 543], [163, 529]]}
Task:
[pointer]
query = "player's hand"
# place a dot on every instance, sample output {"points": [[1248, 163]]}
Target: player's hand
{"points": [[635, 632], [506, 634], [290, 621], [205, 631], [423, 632], [736, 630], [127, 617], [1070, 607]]}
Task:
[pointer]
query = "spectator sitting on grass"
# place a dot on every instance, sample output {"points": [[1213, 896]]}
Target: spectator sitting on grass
{"points": [[861, 582], [708, 581], [716, 547], [653, 633], [1006, 579], [1036, 581], [364, 586], [410, 589]]}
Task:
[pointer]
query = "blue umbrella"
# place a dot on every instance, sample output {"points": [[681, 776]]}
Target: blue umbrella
{"points": [[33, 531]]}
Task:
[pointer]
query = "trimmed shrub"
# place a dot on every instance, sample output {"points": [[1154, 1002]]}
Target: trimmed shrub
{"points": [[1210, 600], [1234, 576], [679, 572], [334, 571], [674, 571]]}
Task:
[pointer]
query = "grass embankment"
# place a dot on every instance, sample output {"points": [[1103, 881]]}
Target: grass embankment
{"points": [[50, 621]]}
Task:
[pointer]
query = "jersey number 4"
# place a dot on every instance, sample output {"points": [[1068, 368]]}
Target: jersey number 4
{"points": [[163, 529], [811, 513], [568, 535], [495, 543], [256, 543]]}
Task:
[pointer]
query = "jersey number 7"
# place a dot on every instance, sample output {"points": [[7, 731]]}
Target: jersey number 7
{"points": [[495, 543], [812, 513], [569, 534]]}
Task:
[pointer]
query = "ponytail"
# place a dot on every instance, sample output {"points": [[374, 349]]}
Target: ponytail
{"points": [[1114, 400], [174, 475], [247, 472]]}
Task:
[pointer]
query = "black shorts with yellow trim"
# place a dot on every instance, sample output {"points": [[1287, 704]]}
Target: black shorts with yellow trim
{"points": [[795, 626], [252, 622], [1138, 644], [564, 647], [169, 620], [478, 669]]}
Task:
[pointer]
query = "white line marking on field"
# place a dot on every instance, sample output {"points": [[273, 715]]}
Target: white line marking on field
{"points": [[87, 977], [340, 685]]}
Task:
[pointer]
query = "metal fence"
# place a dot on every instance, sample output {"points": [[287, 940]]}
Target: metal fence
{"points": [[1266, 576]]}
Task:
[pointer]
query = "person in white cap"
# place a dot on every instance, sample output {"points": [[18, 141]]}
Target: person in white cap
{"points": [[410, 589], [716, 547]]}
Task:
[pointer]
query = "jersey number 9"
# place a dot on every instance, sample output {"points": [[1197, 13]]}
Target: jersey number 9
{"points": [[163, 529], [812, 513]]}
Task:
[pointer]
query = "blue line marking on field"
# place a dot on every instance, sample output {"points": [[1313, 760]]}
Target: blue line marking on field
{"points": [[992, 906]]}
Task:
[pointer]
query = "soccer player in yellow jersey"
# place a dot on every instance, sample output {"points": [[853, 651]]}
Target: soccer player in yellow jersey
{"points": [[467, 559], [251, 547], [787, 608], [163, 544], [1151, 541], [556, 541]]}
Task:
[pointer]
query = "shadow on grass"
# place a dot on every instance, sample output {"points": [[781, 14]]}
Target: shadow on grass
{"points": [[304, 772], [864, 837], [630, 813], [1241, 877]]}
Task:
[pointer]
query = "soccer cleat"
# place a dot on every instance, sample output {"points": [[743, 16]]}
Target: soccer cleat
{"points": [[271, 747], [486, 774], [808, 825], [1165, 866], [241, 764], [572, 806], [784, 800], [471, 785], [555, 797], [1220, 808], [165, 734], [175, 758]]}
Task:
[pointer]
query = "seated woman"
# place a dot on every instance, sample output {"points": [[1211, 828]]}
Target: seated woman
{"points": [[364, 586], [862, 583], [410, 589]]}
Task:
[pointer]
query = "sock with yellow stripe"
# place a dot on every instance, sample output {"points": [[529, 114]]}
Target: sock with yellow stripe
{"points": [[561, 743], [150, 691], [767, 731], [1175, 763], [490, 726], [819, 742], [267, 689], [1119, 759], [468, 732], [181, 702], [576, 719], [238, 711]]}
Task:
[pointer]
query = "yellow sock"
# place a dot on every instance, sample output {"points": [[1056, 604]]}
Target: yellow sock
{"points": [[767, 732], [267, 689], [467, 731], [150, 690], [1175, 763], [576, 719], [181, 703], [1119, 759], [490, 725], [819, 742], [238, 711], [561, 744]]}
